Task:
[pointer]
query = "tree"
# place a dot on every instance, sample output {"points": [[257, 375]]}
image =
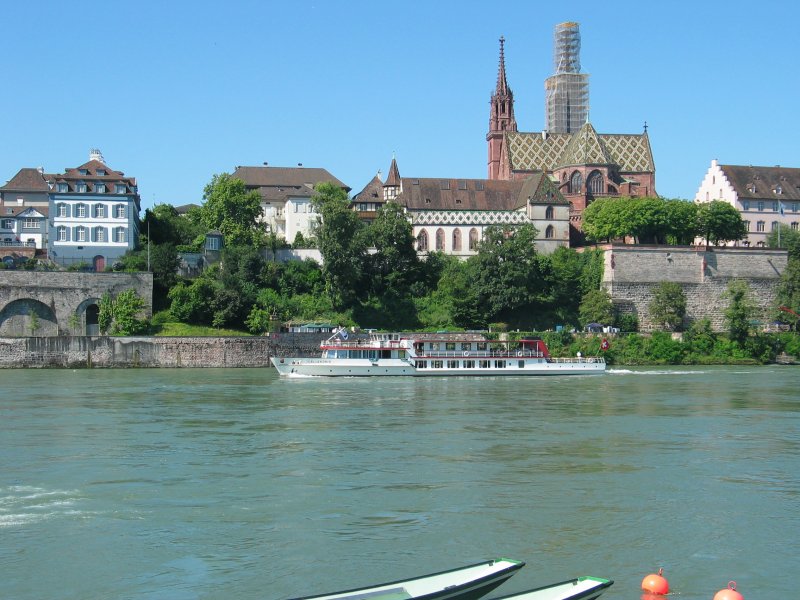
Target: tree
{"points": [[394, 265], [718, 221], [120, 315], [232, 210], [784, 236], [342, 243], [668, 306], [596, 307], [681, 221], [739, 311]]}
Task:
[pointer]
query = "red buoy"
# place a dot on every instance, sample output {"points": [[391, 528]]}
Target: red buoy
{"points": [[729, 593], [656, 584]]}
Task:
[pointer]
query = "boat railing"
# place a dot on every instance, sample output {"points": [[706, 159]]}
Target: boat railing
{"points": [[578, 360], [481, 354]]}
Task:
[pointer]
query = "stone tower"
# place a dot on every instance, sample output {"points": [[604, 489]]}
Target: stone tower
{"points": [[501, 116]]}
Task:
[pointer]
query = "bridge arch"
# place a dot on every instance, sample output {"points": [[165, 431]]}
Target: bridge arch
{"points": [[28, 316]]}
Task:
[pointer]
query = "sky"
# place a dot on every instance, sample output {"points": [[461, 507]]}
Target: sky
{"points": [[174, 92]]}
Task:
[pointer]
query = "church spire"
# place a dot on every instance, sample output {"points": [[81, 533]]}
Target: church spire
{"points": [[501, 115], [392, 185]]}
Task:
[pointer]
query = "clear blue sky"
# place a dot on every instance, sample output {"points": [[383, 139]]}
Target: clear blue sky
{"points": [[173, 92]]}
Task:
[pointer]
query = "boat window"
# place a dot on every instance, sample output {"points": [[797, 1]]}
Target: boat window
{"points": [[485, 364], [481, 345], [500, 364], [521, 364], [401, 354], [450, 346], [434, 345], [421, 364], [469, 364], [465, 346], [452, 364], [437, 364]]}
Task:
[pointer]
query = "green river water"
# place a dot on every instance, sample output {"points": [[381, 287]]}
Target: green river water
{"points": [[212, 483]]}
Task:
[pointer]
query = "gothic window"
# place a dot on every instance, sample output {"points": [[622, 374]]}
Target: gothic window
{"points": [[548, 213], [456, 239], [473, 239], [422, 241], [594, 183], [549, 233], [440, 239], [575, 183]]}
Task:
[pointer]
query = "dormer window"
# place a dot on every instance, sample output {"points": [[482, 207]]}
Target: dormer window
{"points": [[80, 187], [119, 188], [778, 189], [752, 188], [101, 172], [83, 171], [100, 188], [63, 188]]}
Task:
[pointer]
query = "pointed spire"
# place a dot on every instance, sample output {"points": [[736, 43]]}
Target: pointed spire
{"points": [[393, 179], [502, 83]]}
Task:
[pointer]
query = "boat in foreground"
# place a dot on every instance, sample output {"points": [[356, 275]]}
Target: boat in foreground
{"points": [[465, 583], [582, 588], [434, 355]]}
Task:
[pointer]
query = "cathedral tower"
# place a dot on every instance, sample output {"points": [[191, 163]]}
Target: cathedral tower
{"points": [[501, 116], [567, 91]]}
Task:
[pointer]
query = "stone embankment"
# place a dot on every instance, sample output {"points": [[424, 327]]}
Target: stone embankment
{"points": [[169, 352]]}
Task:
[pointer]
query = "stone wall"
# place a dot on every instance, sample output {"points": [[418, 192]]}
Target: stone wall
{"points": [[105, 351], [632, 273], [54, 297]]}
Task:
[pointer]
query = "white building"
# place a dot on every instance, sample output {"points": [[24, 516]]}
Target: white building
{"points": [[765, 196]]}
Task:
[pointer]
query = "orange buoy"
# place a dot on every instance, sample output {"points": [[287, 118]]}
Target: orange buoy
{"points": [[729, 593], [656, 584]]}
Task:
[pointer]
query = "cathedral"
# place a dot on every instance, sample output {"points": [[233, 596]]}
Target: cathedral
{"points": [[583, 164]]}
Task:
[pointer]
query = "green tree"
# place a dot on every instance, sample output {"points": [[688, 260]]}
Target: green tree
{"points": [[394, 265], [718, 221], [785, 237], [192, 302], [596, 307], [120, 315], [229, 208], [668, 307], [681, 221], [739, 311], [164, 225], [342, 243]]}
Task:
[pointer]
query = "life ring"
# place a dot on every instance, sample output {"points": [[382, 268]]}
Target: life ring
{"points": [[466, 353], [519, 353]]}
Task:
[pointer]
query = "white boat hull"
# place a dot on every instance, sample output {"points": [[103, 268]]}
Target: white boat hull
{"points": [[322, 367]]}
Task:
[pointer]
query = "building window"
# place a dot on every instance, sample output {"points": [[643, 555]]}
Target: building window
{"points": [[462, 184], [30, 224], [422, 241], [595, 183], [80, 234], [212, 243], [575, 183], [80, 211], [440, 239], [774, 226], [794, 225], [473, 239], [479, 186], [760, 205], [120, 211], [794, 206], [81, 187], [100, 172], [62, 233], [746, 225], [119, 188], [61, 209], [760, 226], [7, 224], [456, 239], [775, 207], [549, 233], [778, 190], [62, 188], [119, 235], [100, 234], [444, 184], [548, 213], [100, 188], [99, 211], [83, 171], [746, 205], [752, 188]]}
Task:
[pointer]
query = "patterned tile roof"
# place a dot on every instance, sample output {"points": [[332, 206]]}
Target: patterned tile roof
{"points": [[549, 151]]}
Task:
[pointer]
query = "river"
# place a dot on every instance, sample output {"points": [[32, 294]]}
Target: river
{"points": [[234, 483]]}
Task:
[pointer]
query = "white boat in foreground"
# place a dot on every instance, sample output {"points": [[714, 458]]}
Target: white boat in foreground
{"points": [[465, 583], [434, 355], [582, 588]]}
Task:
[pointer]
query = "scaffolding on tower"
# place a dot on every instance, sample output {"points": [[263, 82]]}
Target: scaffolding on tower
{"points": [[567, 91]]}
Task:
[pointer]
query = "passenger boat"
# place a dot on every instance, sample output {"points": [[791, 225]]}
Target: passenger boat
{"points": [[426, 355], [465, 583], [582, 588]]}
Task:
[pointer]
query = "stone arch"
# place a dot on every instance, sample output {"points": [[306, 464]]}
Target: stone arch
{"points": [[28, 317], [87, 314]]}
